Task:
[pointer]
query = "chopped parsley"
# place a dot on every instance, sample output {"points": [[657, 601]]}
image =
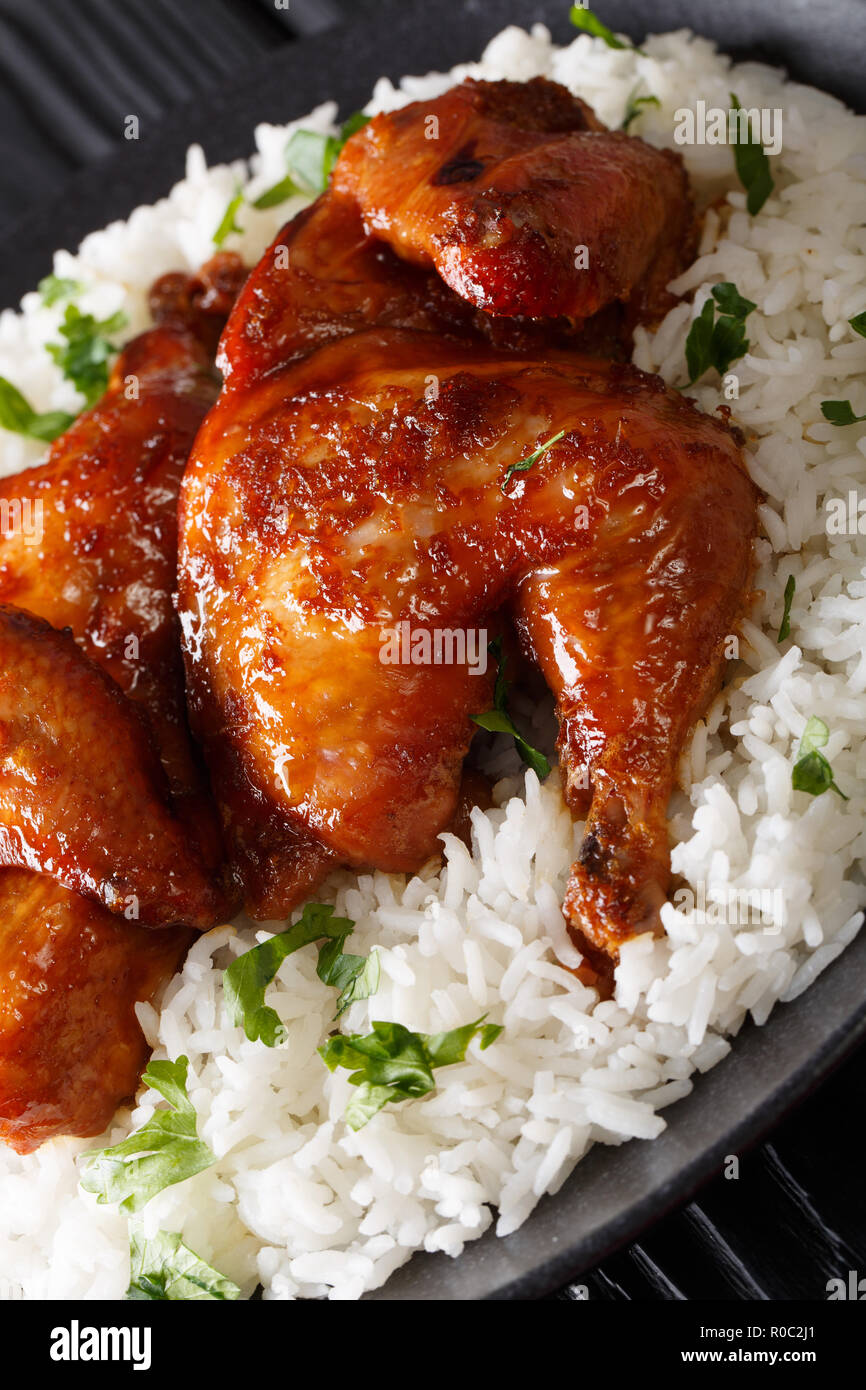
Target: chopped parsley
{"points": [[840, 413], [812, 773], [247, 978], [228, 224], [18, 415], [164, 1151], [753, 167], [277, 193], [730, 301], [356, 977], [83, 358], [633, 108], [498, 720], [717, 342], [393, 1064], [785, 625], [858, 323], [584, 19], [162, 1268], [310, 157], [54, 288], [525, 464]]}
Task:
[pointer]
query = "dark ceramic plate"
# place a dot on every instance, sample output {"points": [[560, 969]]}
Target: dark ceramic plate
{"points": [[614, 1193]]}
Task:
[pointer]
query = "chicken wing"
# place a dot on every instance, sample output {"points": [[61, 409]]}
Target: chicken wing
{"points": [[100, 785], [82, 794], [521, 199], [100, 552], [71, 1048]]}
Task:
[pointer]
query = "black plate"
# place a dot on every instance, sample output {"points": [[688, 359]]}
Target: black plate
{"points": [[614, 1193]]}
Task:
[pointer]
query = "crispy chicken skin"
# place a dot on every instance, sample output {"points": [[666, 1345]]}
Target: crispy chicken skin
{"points": [[104, 566], [71, 1048], [324, 277], [499, 184], [99, 785], [105, 563], [82, 794], [337, 494]]}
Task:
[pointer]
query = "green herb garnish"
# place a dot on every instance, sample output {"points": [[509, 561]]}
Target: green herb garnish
{"points": [[812, 773], [584, 19], [83, 358], [227, 223], [840, 413], [753, 167], [247, 978], [53, 288], [393, 1064], [277, 193], [18, 415], [633, 108], [356, 977], [163, 1268], [525, 464], [858, 323], [499, 721], [731, 302], [718, 342], [164, 1151], [785, 625], [310, 158]]}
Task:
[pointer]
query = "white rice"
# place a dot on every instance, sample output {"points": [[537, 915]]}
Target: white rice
{"points": [[296, 1201]]}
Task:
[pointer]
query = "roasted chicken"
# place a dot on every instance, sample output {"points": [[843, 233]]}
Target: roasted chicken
{"points": [[424, 420], [354, 475], [83, 796], [521, 199], [104, 561], [71, 1048], [104, 808]]}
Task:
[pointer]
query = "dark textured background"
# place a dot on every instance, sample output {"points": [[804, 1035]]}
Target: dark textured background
{"points": [[69, 73]]}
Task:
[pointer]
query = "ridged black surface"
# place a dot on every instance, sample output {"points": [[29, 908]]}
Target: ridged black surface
{"points": [[793, 1219], [69, 73]]}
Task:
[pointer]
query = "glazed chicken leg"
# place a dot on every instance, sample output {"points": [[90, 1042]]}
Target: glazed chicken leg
{"points": [[353, 476]]}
